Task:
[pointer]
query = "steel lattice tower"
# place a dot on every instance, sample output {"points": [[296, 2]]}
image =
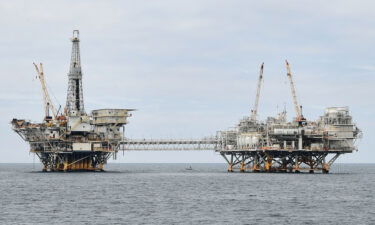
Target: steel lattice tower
{"points": [[74, 101]]}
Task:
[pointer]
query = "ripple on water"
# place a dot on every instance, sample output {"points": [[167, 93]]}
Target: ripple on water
{"points": [[168, 194]]}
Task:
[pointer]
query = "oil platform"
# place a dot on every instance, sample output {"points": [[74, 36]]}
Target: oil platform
{"points": [[74, 140], [277, 145]]}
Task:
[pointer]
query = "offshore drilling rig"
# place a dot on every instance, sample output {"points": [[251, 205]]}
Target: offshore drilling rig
{"points": [[73, 140], [277, 145]]}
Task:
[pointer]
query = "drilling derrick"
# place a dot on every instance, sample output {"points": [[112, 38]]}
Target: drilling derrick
{"points": [[74, 100]]}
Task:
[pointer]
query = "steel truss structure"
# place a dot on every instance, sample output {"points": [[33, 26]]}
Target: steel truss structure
{"points": [[73, 161], [168, 144], [279, 161]]}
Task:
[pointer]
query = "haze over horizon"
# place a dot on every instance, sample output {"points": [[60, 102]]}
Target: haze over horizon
{"points": [[189, 67]]}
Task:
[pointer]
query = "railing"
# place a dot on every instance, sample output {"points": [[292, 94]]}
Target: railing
{"points": [[168, 144]]}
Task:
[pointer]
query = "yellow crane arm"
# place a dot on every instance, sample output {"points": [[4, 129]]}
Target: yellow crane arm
{"points": [[48, 105]]}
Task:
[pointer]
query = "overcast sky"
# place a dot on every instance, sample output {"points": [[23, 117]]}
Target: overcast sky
{"points": [[189, 67]]}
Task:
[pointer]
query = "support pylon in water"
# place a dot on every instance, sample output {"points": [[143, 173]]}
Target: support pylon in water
{"points": [[276, 161]]}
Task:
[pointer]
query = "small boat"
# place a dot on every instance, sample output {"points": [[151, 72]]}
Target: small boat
{"points": [[189, 168]]}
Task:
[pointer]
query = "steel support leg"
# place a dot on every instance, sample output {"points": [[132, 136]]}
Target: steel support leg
{"points": [[242, 168]]}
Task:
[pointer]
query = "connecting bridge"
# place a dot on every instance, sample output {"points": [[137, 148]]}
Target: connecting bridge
{"points": [[169, 144]]}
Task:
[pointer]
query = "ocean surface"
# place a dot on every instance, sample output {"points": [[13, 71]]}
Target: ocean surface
{"points": [[170, 194]]}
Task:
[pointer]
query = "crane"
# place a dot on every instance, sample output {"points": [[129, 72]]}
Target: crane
{"points": [[254, 111], [47, 100], [297, 107]]}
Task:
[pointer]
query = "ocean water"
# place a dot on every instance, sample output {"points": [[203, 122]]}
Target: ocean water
{"points": [[170, 194]]}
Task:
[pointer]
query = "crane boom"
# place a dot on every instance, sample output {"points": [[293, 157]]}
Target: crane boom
{"points": [[46, 99], [255, 108], [297, 107]]}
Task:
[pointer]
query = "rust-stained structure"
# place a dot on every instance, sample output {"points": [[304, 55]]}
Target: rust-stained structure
{"points": [[73, 140], [278, 145]]}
